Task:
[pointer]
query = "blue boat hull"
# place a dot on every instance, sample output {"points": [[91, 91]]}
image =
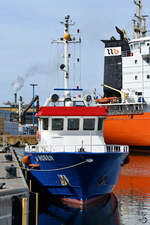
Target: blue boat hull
{"points": [[79, 176], [101, 213]]}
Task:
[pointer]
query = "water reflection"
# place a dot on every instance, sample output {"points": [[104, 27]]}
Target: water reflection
{"points": [[132, 202], [103, 212], [133, 191]]}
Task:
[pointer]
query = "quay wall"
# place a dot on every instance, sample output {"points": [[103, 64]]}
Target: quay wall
{"points": [[18, 140]]}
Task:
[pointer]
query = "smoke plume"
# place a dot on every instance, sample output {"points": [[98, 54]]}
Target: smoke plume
{"points": [[18, 84], [37, 69]]}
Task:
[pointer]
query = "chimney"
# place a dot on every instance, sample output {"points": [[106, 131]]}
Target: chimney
{"points": [[15, 96]]}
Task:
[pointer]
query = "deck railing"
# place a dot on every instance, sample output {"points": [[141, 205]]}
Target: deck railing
{"points": [[77, 148]]}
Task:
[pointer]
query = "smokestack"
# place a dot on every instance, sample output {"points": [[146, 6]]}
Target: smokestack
{"points": [[15, 96], [20, 109]]}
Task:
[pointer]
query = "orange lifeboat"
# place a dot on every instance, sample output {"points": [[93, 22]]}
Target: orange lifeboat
{"points": [[106, 100]]}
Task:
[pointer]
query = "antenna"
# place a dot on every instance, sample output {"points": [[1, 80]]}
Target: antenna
{"points": [[66, 40], [138, 27]]}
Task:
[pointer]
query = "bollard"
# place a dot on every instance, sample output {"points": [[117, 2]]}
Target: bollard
{"points": [[10, 171], [8, 157]]}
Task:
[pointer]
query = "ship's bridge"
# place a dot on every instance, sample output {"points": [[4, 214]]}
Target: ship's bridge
{"points": [[141, 45], [71, 127], [138, 46]]}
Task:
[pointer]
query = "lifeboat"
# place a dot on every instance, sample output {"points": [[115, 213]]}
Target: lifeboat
{"points": [[106, 100]]}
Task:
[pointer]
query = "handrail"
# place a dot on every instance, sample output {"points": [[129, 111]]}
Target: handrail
{"points": [[76, 148]]}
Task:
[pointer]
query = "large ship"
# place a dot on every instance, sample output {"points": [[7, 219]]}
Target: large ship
{"points": [[127, 86], [71, 159]]}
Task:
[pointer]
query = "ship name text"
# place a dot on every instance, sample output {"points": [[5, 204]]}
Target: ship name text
{"points": [[45, 157]]}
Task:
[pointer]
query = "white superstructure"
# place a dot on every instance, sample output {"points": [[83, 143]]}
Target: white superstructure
{"points": [[136, 61], [136, 68]]}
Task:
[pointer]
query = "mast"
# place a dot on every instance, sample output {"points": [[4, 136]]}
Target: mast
{"points": [[66, 55], [66, 40], [139, 23]]}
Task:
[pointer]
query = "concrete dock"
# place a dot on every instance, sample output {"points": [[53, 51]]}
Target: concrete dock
{"points": [[14, 192]]}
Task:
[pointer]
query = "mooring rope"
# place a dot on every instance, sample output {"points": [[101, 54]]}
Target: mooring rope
{"points": [[62, 168]]}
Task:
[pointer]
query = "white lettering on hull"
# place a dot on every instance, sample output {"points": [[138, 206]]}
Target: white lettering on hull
{"points": [[44, 158]]}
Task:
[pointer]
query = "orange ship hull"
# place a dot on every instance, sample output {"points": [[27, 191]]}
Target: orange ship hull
{"points": [[134, 177], [132, 130]]}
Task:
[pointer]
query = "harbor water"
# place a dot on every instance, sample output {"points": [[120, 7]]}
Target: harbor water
{"points": [[129, 204], [133, 191]]}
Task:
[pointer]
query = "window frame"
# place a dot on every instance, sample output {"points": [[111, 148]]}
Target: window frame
{"points": [[102, 122], [89, 118], [57, 118], [73, 118], [47, 125]]}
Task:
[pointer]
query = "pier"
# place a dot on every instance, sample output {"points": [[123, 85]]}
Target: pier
{"points": [[14, 192]]}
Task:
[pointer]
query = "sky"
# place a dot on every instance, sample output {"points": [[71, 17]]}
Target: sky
{"points": [[27, 28]]}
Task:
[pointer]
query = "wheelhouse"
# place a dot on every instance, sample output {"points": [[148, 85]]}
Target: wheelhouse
{"points": [[71, 127], [75, 124]]}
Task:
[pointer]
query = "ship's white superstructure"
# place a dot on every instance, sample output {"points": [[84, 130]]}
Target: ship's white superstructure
{"points": [[136, 68]]}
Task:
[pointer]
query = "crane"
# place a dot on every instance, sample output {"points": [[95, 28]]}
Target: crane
{"points": [[123, 94], [23, 111]]}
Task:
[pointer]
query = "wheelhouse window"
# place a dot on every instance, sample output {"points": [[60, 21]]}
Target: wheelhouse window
{"points": [[57, 124], [45, 124], [88, 124], [100, 123], [136, 45], [73, 124], [142, 44]]}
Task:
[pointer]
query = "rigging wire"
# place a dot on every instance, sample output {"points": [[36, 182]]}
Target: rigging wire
{"points": [[57, 65], [74, 67], [80, 81]]}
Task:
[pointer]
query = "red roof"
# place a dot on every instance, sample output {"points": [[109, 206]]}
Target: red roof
{"points": [[72, 111]]}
